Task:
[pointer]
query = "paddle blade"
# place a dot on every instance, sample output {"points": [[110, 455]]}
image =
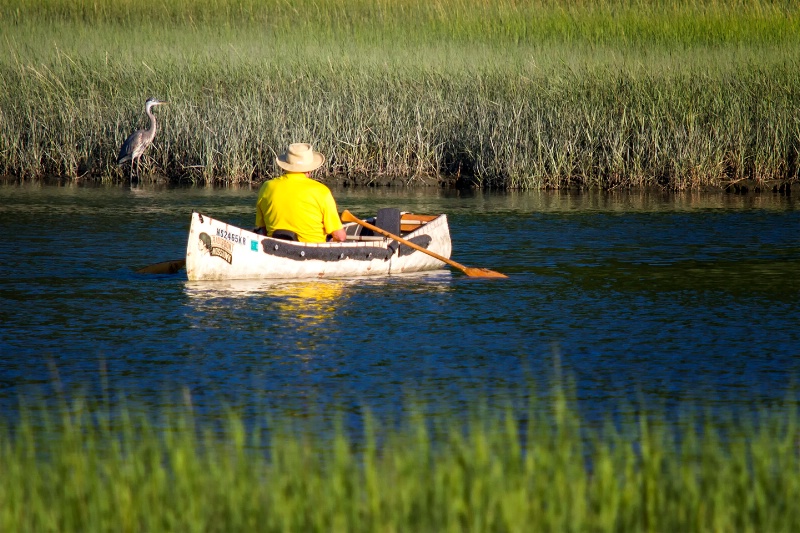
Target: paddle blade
{"points": [[165, 267], [475, 272]]}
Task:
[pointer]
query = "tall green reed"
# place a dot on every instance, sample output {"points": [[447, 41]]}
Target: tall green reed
{"points": [[615, 94], [645, 21]]}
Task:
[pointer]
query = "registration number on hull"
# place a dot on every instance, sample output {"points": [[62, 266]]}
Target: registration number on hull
{"points": [[232, 237]]}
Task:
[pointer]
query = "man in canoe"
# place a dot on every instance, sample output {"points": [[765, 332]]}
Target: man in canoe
{"points": [[294, 202]]}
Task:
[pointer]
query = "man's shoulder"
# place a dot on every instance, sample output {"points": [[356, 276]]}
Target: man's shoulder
{"points": [[318, 185], [278, 181], [297, 182], [312, 185]]}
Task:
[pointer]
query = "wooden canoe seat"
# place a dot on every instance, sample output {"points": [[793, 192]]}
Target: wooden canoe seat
{"points": [[410, 221]]}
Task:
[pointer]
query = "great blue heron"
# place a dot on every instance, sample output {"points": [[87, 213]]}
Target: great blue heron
{"points": [[135, 145]]}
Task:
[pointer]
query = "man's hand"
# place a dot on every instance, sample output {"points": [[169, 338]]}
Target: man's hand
{"points": [[340, 235]]}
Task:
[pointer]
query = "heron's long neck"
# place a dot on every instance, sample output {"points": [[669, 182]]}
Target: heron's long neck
{"points": [[151, 131]]}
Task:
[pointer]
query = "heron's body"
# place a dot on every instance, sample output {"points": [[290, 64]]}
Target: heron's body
{"points": [[135, 145]]}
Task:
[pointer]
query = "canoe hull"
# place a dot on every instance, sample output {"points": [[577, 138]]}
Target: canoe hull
{"points": [[219, 251]]}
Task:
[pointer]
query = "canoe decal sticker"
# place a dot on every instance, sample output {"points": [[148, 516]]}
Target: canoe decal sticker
{"points": [[254, 246], [216, 247]]}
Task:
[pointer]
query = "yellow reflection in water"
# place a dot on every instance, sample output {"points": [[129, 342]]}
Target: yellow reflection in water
{"points": [[310, 304]]}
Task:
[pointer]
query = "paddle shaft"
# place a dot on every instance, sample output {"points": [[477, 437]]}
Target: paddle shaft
{"points": [[347, 216], [164, 267]]}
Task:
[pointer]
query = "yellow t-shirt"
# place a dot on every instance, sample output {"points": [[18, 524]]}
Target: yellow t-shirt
{"points": [[297, 203]]}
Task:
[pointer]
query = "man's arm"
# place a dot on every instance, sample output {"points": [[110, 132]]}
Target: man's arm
{"points": [[331, 218]]}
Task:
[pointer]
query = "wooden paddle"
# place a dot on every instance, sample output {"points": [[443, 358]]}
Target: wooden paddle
{"points": [[164, 267], [347, 216]]}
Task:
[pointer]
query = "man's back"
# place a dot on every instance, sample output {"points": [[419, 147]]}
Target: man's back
{"points": [[297, 203]]}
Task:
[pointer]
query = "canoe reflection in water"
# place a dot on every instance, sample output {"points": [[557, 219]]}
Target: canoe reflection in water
{"points": [[305, 301], [306, 318], [271, 316]]}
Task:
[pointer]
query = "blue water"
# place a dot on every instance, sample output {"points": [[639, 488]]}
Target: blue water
{"points": [[651, 298]]}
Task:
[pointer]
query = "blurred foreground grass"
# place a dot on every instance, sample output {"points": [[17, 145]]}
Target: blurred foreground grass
{"points": [[540, 469]]}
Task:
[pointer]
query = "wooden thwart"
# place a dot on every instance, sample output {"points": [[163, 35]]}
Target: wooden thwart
{"points": [[410, 222], [347, 216], [411, 217]]}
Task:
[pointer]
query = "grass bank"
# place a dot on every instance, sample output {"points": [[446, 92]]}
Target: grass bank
{"points": [[537, 470], [672, 94]]}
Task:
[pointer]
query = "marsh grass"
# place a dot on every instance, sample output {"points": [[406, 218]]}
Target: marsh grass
{"points": [[671, 94], [544, 468]]}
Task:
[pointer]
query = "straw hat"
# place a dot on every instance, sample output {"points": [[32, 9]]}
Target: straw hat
{"points": [[300, 157]]}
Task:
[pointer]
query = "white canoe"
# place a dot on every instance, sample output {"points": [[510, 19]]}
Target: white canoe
{"points": [[219, 251]]}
